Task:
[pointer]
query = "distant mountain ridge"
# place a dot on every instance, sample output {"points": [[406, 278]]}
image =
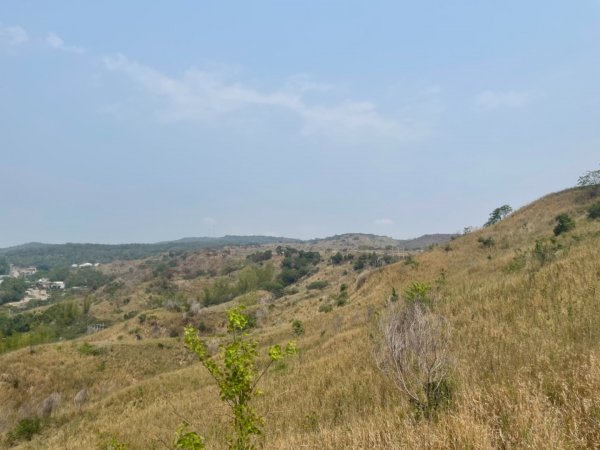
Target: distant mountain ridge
{"points": [[41, 254], [373, 241]]}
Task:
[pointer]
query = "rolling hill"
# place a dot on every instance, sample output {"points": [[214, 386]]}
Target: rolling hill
{"points": [[522, 305]]}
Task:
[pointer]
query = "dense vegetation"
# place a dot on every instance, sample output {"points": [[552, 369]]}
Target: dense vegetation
{"points": [[50, 255], [12, 290], [65, 320]]}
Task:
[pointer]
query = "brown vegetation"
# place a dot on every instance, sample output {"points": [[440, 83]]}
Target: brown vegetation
{"points": [[525, 341]]}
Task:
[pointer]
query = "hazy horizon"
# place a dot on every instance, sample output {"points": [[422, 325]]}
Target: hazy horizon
{"points": [[137, 122]]}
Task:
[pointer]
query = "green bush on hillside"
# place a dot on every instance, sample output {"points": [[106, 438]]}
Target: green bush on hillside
{"points": [[594, 211], [564, 223]]}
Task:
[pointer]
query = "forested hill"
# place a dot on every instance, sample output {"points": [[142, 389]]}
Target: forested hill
{"points": [[49, 255], [39, 254]]}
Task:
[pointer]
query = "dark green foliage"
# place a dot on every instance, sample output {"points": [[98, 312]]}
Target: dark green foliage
{"points": [[498, 214], [60, 273], [590, 178], [88, 349], [25, 429], [337, 259], [130, 315], [594, 211], [251, 278], [12, 290], [372, 260], [51, 255], [296, 264], [319, 284], [486, 242], [342, 298], [260, 256], [4, 266], [564, 223], [86, 277], [297, 327], [64, 320]]}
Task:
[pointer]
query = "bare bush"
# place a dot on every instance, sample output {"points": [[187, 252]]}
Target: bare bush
{"points": [[81, 398], [195, 308], [361, 280], [49, 405], [414, 350]]}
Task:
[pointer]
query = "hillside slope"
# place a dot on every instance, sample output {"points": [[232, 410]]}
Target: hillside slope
{"points": [[525, 318]]}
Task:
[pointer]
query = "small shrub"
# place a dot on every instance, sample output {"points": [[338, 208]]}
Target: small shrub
{"points": [[297, 327], [564, 223], [319, 284], [188, 440], [25, 429], [114, 444], [546, 250], [417, 292], [326, 307], [411, 262], [594, 211], [89, 349], [130, 315], [394, 296], [487, 242], [518, 262], [202, 327], [341, 300]]}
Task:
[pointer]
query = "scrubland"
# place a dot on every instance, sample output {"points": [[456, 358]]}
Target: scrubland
{"points": [[524, 313]]}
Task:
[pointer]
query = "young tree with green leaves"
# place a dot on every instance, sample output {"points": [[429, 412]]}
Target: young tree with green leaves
{"points": [[237, 377]]}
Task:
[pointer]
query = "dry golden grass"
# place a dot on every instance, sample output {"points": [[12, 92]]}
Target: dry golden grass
{"points": [[526, 343]]}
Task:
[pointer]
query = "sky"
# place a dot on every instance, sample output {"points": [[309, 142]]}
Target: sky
{"points": [[147, 121]]}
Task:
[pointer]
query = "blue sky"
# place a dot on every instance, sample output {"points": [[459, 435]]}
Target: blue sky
{"points": [[147, 121]]}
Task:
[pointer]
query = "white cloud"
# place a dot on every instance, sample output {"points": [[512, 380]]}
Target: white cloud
{"points": [[203, 95], [55, 41], [13, 35], [383, 222], [506, 99]]}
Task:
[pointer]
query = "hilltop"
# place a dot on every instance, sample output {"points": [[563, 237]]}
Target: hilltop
{"points": [[521, 303]]}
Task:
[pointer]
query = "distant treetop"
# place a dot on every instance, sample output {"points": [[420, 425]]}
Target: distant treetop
{"points": [[498, 214], [591, 178]]}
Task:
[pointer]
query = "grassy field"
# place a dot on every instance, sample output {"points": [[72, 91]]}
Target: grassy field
{"points": [[525, 320]]}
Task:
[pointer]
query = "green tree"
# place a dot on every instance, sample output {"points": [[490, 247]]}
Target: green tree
{"points": [[4, 266], [12, 290], [590, 178], [564, 223], [237, 376], [498, 214], [594, 211]]}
